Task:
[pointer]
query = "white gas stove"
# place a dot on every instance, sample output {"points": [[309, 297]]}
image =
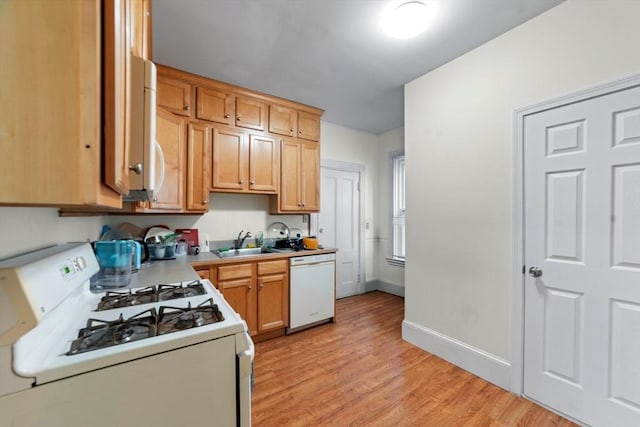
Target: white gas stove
{"points": [[68, 355]]}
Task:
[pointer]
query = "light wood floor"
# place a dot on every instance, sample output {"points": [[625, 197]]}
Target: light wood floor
{"points": [[359, 372]]}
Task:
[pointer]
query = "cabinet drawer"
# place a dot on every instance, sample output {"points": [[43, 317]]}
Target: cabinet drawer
{"points": [[272, 267], [230, 272]]}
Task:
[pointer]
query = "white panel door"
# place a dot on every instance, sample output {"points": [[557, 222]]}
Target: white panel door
{"points": [[338, 226], [582, 230]]}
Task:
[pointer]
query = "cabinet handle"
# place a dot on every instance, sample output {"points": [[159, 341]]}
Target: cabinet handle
{"points": [[252, 182], [303, 204], [241, 181], [238, 118], [137, 168], [226, 116], [291, 130], [300, 132], [261, 285], [204, 202], [186, 107], [249, 287]]}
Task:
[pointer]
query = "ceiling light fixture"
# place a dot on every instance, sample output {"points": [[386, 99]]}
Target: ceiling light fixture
{"points": [[405, 19]]}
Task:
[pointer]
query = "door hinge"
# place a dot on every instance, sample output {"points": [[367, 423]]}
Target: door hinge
{"points": [[358, 185], [358, 279], [524, 269]]}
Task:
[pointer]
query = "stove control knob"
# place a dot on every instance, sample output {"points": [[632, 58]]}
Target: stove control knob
{"points": [[81, 262]]}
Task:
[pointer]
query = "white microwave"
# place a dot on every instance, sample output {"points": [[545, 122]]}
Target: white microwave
{"points": [[146, 160]]}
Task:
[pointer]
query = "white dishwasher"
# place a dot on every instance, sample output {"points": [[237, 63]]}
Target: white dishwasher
{"points": [[312, 293]]}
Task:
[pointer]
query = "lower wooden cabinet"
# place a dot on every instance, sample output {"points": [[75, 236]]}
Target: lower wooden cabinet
{"points": [[258, 292], [204, 274], [273, 295]]}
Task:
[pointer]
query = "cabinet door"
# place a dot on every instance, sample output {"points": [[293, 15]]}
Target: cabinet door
{"points": [[251, 113], [198, 161], [240, 295], [140, 28], [117, 81], [264, 163], [310, 177], [290, 176], [174, 96], [214, 106], [308, 126], [273, 302], [230, 168], [170, 134], [282, 120]]}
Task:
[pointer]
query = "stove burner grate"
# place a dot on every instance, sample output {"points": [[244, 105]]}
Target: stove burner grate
{"points": [[169, 292], [101, 334], [115, 299], [173, 319]]}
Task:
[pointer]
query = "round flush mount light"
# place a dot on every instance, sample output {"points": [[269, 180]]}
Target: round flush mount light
{"points": [[406, 18]]}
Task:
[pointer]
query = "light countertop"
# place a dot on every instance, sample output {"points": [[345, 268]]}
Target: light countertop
{"points": [[181, 269]]}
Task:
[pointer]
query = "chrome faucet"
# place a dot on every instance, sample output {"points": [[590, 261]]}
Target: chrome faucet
{"points": [[240, 240]]}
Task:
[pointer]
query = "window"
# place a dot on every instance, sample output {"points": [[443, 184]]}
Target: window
{"points": [[398, 196]]}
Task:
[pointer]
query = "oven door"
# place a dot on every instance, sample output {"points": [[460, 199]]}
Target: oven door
{"points": [[188, 386], [245, 381]]}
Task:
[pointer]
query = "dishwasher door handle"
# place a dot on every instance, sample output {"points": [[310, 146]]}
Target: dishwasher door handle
{"points": [[312, 264]]}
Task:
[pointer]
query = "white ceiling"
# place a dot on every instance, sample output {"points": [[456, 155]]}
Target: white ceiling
{"points": [[329, 54]]}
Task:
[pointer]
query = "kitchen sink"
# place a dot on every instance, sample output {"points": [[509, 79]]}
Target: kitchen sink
{"points": [[237, 252]]}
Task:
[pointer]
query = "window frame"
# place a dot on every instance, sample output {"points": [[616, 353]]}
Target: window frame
{"points": [[397, 247]]}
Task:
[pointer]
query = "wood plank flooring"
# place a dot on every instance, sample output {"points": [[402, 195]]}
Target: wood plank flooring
{"points": [[359, 372]]}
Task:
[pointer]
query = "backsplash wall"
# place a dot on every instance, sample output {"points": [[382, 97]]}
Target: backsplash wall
{"points": [[228, 215], [28, 228]]}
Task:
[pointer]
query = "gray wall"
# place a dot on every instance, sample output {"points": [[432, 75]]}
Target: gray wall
{"points": [[459, 138]]}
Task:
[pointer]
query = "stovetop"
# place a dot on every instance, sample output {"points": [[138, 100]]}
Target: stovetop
{"points": [[150, 322]]}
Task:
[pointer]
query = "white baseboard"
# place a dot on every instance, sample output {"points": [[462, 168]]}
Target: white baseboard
{"points": [[478, 362], [379, 285]]}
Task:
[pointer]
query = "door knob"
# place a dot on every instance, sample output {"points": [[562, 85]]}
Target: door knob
{"points": [[535, 272]]}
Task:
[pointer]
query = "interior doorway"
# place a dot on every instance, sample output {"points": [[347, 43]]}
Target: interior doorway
{"points": [[577, 296], [339, 223]]}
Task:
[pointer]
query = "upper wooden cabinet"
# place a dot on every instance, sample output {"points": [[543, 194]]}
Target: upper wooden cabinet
{"points": [[52, 146], [170, 134], [309, 126], [251, 113], [264, 163], [282, 120], [229, 160], [223, 103], [215, 106], [174, 95], [244, 163], [246, 155], [198, 163], [300, 178]]}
